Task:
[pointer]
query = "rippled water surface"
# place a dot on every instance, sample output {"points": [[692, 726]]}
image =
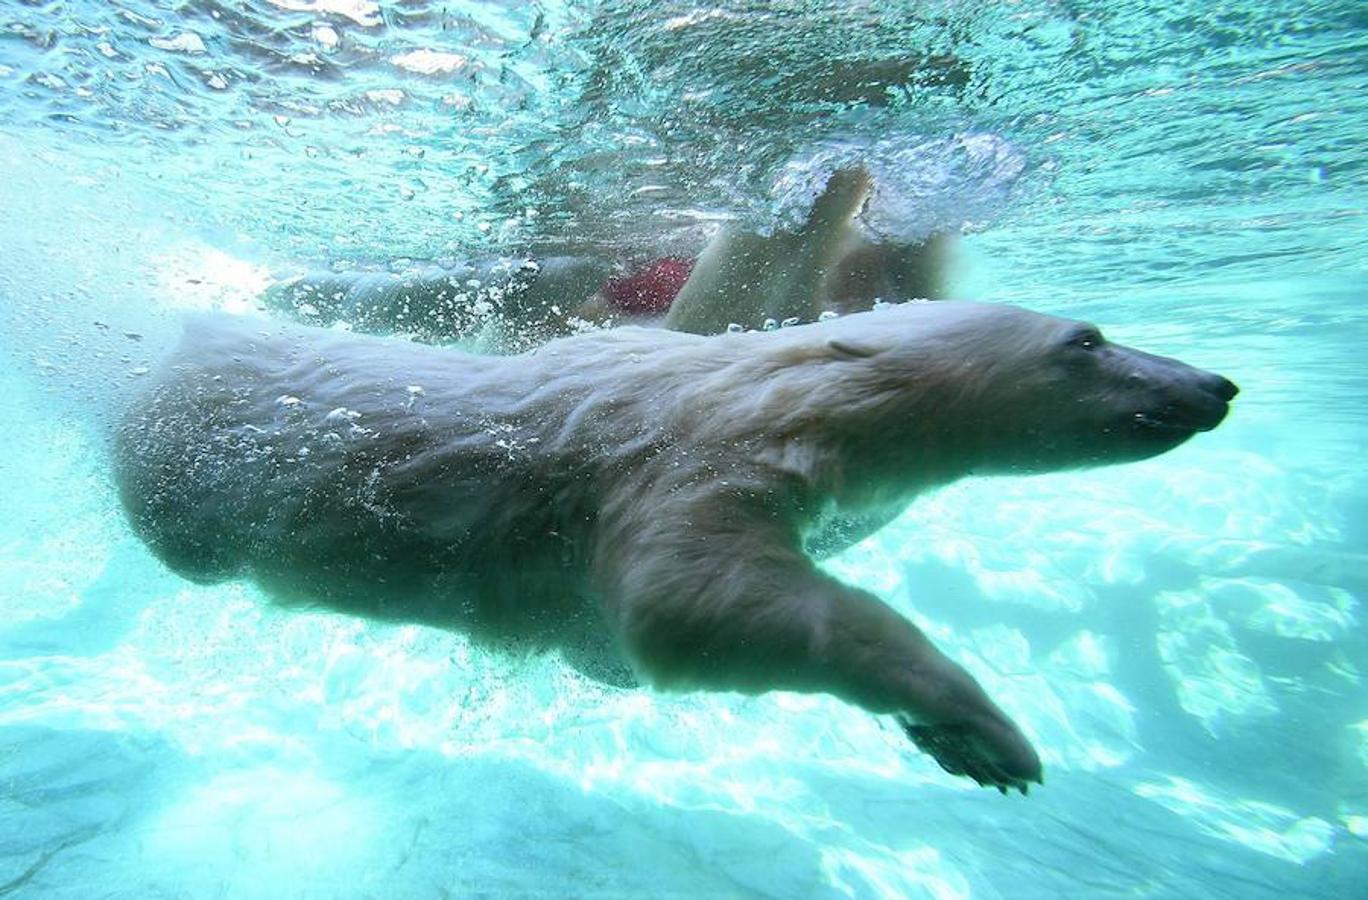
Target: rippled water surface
{"points": [[1184, 639]]}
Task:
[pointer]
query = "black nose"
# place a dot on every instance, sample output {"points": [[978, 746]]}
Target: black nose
{"points": [[1223, 387], [1206, 400]]}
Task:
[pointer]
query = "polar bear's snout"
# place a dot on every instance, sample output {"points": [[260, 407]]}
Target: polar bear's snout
{"points": [[1215, 393], [1182, 398]]}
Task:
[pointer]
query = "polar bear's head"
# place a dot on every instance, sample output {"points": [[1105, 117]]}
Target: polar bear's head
{"points": [[1004, 390], [1066, 397]]}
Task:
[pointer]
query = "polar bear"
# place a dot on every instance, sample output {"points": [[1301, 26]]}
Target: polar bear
{"points": [[639, 494], [743, 278]]}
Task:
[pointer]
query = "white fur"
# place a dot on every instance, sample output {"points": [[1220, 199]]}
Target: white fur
{"points": [[633, 490]]}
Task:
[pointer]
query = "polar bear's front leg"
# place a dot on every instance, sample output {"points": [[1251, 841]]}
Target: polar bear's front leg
{"points": [[742, 609]]}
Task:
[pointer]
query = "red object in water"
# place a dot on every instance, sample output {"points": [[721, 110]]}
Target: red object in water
{"points": [[650, 289]]}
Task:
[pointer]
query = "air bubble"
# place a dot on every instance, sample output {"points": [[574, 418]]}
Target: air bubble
{"points": [[326, 36]]}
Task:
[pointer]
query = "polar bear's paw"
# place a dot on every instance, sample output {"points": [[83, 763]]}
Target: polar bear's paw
{"points": [[994, 754]]}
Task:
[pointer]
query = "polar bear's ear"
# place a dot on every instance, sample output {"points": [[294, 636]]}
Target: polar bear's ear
{"points": [[851, 349]]}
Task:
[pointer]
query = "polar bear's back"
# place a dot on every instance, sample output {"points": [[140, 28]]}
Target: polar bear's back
{"points": [[264, 450]]}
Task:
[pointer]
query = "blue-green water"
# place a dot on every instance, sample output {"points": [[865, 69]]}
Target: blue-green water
{"points": [[1184, 639]]}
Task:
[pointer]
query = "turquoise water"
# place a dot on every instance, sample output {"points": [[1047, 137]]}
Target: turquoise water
{"points": [[1183, 639]]}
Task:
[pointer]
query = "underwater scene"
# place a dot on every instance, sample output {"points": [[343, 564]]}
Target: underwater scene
{"points": [[505, 196]]}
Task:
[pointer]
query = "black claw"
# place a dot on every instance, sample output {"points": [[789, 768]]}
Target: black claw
{"points": [[956, 754]]}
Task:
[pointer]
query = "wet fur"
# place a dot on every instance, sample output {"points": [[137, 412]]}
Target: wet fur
{"points": [[636, 494]]}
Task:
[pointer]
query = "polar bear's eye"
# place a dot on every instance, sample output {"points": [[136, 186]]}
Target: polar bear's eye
{"points": [[1085, 339]]}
